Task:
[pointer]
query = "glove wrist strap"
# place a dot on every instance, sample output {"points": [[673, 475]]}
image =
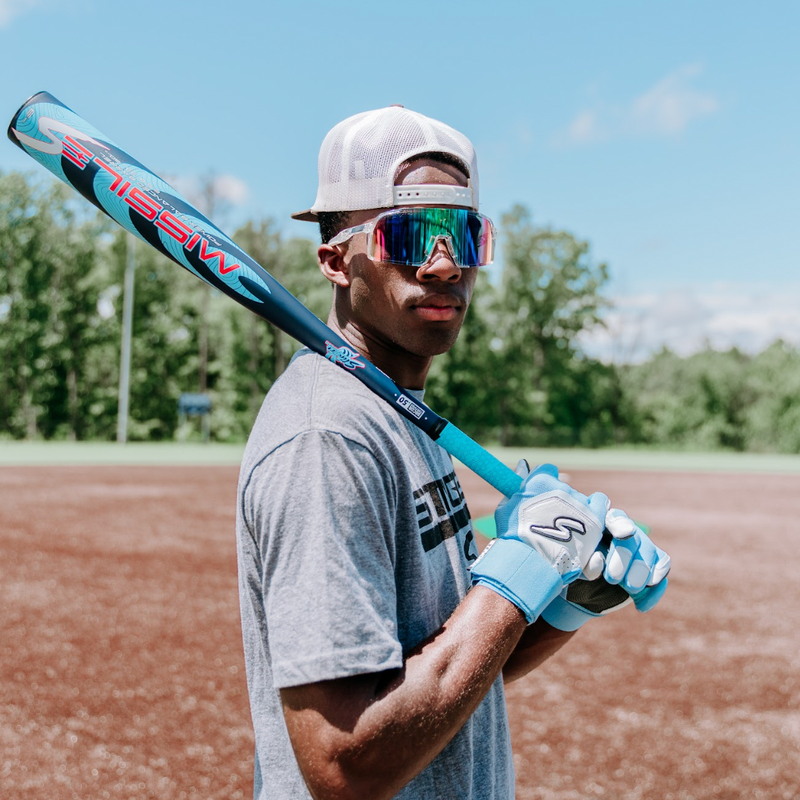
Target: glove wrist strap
{"points": [[520, 574], [566, 616]]}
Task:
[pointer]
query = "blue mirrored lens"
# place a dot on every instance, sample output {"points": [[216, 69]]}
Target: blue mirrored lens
{"points": [[407, 236]]}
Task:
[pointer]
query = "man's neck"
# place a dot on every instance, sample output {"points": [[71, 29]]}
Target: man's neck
{"points": [[405, 369]]}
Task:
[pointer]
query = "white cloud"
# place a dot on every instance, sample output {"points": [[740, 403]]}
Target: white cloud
{"points": [[665, 109], [584, 128], [13, 8], [690, 318], [231, 189], [214, 189]]}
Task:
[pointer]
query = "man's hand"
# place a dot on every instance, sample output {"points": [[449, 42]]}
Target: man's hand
{"points": [[633, 561], [547, 535], [634, 569]]}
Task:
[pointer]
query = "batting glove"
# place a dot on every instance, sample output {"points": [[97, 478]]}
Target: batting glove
{"points": [[634, 570], [633, 561], [547, 533]]}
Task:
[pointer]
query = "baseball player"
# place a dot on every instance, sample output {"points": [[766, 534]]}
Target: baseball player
{"points": [[376, 639]]}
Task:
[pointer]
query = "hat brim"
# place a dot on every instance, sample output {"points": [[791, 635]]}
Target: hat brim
{"points": [[306, 216]]}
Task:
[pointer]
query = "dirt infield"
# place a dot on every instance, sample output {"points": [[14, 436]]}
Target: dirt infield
{"points": [[121, 670]]}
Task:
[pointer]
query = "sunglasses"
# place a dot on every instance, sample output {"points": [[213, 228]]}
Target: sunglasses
{"points": [[408, 236]]}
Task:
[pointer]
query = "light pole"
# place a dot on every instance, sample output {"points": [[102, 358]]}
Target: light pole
{"points": [[125, 354]]}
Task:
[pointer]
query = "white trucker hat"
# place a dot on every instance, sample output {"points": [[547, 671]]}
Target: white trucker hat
{"points": [[359, 158]]}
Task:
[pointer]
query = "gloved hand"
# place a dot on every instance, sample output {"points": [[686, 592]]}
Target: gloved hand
{"points": [[547, 533], [634, 570], [633, 561]]}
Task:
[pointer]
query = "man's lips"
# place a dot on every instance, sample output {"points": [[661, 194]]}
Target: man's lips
{"points": [[440, 307]]}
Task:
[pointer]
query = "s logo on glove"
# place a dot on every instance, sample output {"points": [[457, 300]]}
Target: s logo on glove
{"points": [[561, 530], [561, 524], [548, 535]]}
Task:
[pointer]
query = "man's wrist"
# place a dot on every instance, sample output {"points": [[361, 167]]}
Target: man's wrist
{"points": [[518, 573]]}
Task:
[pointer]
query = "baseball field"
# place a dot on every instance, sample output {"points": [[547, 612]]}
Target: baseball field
{"points": [[122, 676]]}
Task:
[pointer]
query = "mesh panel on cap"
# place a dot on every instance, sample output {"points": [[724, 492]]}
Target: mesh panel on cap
{"points": [[359, 157]]}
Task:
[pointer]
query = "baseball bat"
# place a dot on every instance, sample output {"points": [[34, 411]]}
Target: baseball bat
{"points": [[148, 207]]}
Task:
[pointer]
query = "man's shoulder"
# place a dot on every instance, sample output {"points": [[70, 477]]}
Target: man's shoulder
{"points": [[312, 391], [313, 395]]}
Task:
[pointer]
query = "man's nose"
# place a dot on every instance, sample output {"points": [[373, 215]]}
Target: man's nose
{"points": [[440, 264]]}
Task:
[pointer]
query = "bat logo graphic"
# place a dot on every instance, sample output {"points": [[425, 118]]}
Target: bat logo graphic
{"points": [[561, 530], [343, 356], [55, 144]]}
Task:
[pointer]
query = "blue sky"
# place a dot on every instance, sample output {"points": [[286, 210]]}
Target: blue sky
{"points": [[665, 133]]}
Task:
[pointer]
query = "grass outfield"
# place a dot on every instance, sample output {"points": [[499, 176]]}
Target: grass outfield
{"points": [[14, 454], [187, 454], [653, 460]]}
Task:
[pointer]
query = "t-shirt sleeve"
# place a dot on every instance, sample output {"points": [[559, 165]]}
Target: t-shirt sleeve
{"points": [[321, 509]]}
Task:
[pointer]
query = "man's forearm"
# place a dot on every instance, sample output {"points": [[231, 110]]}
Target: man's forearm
{"points": [[368, 736], [537, 644]]}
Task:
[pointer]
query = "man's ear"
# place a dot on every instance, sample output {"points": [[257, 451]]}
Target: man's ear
{"points": [[333, 266]]}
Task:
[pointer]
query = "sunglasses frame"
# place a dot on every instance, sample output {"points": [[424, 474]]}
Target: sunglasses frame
{"points": [[369, 228]]}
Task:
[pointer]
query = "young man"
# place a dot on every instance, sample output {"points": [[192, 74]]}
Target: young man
{"points": [[376, 641]]}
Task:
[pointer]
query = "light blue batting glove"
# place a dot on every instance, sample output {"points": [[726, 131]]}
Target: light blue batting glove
{"points": [[634, 562], [635, 571], [547, 534]]}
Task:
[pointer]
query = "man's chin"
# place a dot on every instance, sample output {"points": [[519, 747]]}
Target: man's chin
{"points": [[433, 343]]}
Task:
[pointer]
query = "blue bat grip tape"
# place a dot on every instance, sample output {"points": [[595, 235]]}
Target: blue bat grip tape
{"points": [[483, 463]]}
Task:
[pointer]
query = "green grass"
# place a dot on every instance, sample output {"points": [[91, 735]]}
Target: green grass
{"points": [[100, 453], [109, 453], [651, 460]]}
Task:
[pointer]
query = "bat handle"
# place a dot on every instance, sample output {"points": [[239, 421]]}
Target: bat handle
{"points": [[480, 461]]}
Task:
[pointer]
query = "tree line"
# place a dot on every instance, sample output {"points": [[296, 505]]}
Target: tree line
{"points": [[516, 376]]}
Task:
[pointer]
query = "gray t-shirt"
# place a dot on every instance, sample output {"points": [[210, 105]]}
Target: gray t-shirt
{"points": [[354, 541]]}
